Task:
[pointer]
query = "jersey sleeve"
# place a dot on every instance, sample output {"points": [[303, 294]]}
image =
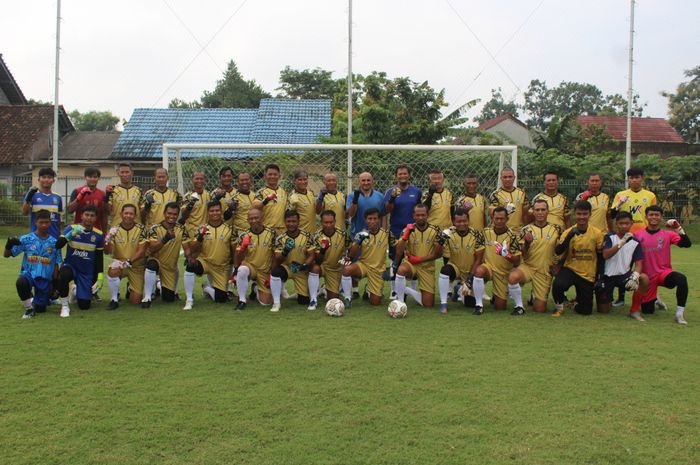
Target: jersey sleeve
{"points": [[259, 195], [479, 241], [607, 242], [391, 239], [673, 237], [493, 199], [567, 207], [100, 241], [279, 243], [526, 201], [74, 195], [638, 253], [514, 246]]}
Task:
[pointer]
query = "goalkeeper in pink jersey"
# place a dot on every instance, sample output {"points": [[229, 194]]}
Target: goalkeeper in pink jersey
{"points": [[656, 244]]}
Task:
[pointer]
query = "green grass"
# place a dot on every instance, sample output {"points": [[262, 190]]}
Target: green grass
{"points": [[219, 386]]}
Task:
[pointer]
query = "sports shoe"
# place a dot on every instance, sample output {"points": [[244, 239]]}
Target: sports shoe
{"points": [[392, 296], [28, 314], [145, 304], [443, 309], [660, 304], [113, 305], [518, 311], [680, 320], [285, 293], [96, 297], [204, 294], [188, 305], [65, 311], [618, 303], [348, 303], [355, 294], [275, 308], [637, 316], [478, 310], [240, 305], [558, 313], [312, 305]]}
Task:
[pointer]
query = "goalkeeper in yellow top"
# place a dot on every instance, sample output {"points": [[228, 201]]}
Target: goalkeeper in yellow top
{"points": [[473, 202], [439, 200], [330, 198], [557, 203], [512, 198], [123, 193], [154, 200], [272, 199], [193, 211], [331, 245], [240, 203], [635, 200], [420, 243], [303, 201], [126, 242]]}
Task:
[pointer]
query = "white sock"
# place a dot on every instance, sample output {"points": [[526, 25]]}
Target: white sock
{"points": [[356, 289], [400, 287], [64, 301], [113, 284], [313, 286], [443, 287], [679, 311], [189, 285], [276, 288], [27, 303], [478, 288], [149, 284], [208, 290], [414, 283], [417, 295], [242, 282], [516, 293], [346, 284]]}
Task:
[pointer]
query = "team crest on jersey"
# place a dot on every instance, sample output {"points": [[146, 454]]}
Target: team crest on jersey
{"points": [[55, 201], [93, 239], [49, 249]]}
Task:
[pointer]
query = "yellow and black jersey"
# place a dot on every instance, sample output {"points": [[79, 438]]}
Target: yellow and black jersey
{"points": [[423, 243], [373, 250], [123, 196], [461, 248], [515, 199], [540, 255], [216, 246], [582, 255], [260, 248], [301, 245], [636, 203], [273, 211], [198, 215], [170, 252], [558, 206], [336, 203], [440, 208], [477, 209], [600, 204], [244, 204], [224, 197], [507, 239], [155, 214], [337, 243], [125, 242], [305, 205]]}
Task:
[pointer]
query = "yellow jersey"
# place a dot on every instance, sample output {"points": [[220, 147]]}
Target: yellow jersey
{"points": [[122, 196], [540, 254], [170, 252], [636, 204], [558, 207], [336, 203], [600, 205], [423, 243], [224, 197], [261, 248], [460, 249], [216, 246], [273, 212], [582, 255], [126, 241], [199, 213], [477, 209], [240, 216], [496, 261], [339, 243], [305, 205], [303, 243], [517, 199], [155, 214], [373, 250], [440, 208]]}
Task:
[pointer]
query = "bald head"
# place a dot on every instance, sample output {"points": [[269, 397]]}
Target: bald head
{"points": [[366, 181]]}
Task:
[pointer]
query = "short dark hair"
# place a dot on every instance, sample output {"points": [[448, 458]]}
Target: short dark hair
{"points": [[595, 173], [582, 205], [654, 208], [43, 215], [171, 205], [461, 212], [470, 175], [402, 167], [89, 208], [540, 201], [635, 172], [47, 172], [372, 211], [125, 164], [436, 171], [621, 215], [500, 209], [242, 173], [291, 213], [129, 205], [420, 205], [544, 176], [272, 166], [300, 174], [92, 171], [223, 170], [327, 213], [213, 203]]}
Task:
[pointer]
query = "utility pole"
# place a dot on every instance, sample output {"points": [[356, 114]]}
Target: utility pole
{"points": [[55, 91], [628, 145], [349, 174]]}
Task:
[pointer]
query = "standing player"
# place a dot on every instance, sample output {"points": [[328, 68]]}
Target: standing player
{"points": [[463, 252], [272, 200], [123, 193], [361, 200], [557, 203], [253, 259], [126, 242], [165, 240], [582, 244], [371, 245], [240, 203], [303, 201], [42, 198], [330, 198], [538, 241], [86, 195], [635, 199], [154, 200], [600, 203], [439, 200], [421, 243], [502, 254], [656, 245], [331, 245], [225, 192], [215, 243], [193, 211], [294, 254], [473, 202], [39, 264], [84, 255], [512, 198]]}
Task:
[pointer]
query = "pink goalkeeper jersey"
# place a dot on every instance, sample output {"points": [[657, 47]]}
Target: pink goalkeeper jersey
{"points": [[657, 250]]}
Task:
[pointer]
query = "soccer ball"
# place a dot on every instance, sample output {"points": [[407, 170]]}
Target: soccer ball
{"points": [[335, 307], [397, 309]]}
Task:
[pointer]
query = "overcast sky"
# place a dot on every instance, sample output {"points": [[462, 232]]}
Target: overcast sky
{"points": [[122, 55]]}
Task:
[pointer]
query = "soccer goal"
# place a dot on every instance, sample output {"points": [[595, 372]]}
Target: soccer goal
{"points": [[346, 160]]}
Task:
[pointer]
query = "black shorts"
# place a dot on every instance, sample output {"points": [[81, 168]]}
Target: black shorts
{"points": [[608, 284]]}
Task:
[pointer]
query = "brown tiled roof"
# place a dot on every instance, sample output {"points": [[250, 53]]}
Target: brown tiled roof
{"points": [[488, 124], [22, 125], [643, 129], [9, 86]]}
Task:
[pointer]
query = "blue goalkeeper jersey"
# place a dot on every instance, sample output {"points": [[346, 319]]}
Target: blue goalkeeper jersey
{"points": [[53, 203], [40, 255], [82, 248]]}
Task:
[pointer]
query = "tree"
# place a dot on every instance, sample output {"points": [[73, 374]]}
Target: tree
{"points": [[178, 103], [308, 84], [94, 120], [684, 106], [234, 92], [560, 133], [496, 107]]}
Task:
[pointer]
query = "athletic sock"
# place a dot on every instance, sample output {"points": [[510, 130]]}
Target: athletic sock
{"points": [[636, 302], [416, 295], [346, 284], [276, 288], [313, 286], [443, 287], [27, 303], [478, 288], [189, 285], [113, 284], [516, 293], [400, 287], [208, 290], [242, 283], [679, 311], [64, 301], [149, 284]]}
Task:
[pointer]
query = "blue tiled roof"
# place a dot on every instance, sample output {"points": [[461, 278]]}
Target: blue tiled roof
{"points": [[277, 121]]}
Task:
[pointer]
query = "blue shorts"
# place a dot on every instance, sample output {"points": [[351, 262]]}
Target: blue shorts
{"points": [[42, 289], [83, 283]]}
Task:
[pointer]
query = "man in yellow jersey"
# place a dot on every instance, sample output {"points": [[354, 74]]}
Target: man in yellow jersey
{"points": [[420, 243], [559, 211], [225, 191], [303, 201], [123, 193], [214, 246], [600, 203], [253, 260], [512, 198], [473, 202], [242, 200], [330, 198], [439, 200], [165, 240], [272, 199], [582, 244], [154, 200], [331, 245], [537, 243], [294, 254], [501, 255], [193, 211], [371, 245], [463, 252], [635, 199], [126, 243]]}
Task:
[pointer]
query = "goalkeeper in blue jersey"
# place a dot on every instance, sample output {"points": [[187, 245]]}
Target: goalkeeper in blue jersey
{"points": [[84, 255], [39, 264]]}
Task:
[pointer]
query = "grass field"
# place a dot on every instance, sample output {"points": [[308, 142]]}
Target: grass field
{"points": [[219, 386]]}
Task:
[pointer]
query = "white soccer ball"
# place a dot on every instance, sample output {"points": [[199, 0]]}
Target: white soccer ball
{"points": [[335, 307], [397, 309]]}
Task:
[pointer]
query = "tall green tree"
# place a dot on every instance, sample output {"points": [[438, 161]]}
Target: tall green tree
{"points": [[684, 106], [314, 83], [497, 106], [94, 120]]}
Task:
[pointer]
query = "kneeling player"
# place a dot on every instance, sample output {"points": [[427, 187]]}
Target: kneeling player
{"points": [[215, 242], [421, 243], [371, 244], [331, 244], [463, 252], [294, 254], [39, 264], [253, 259], [126, 243]]}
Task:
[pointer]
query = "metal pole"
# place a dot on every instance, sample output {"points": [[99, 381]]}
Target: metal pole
{"points": [[628, 145], [349, 174], [55, 91]]}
